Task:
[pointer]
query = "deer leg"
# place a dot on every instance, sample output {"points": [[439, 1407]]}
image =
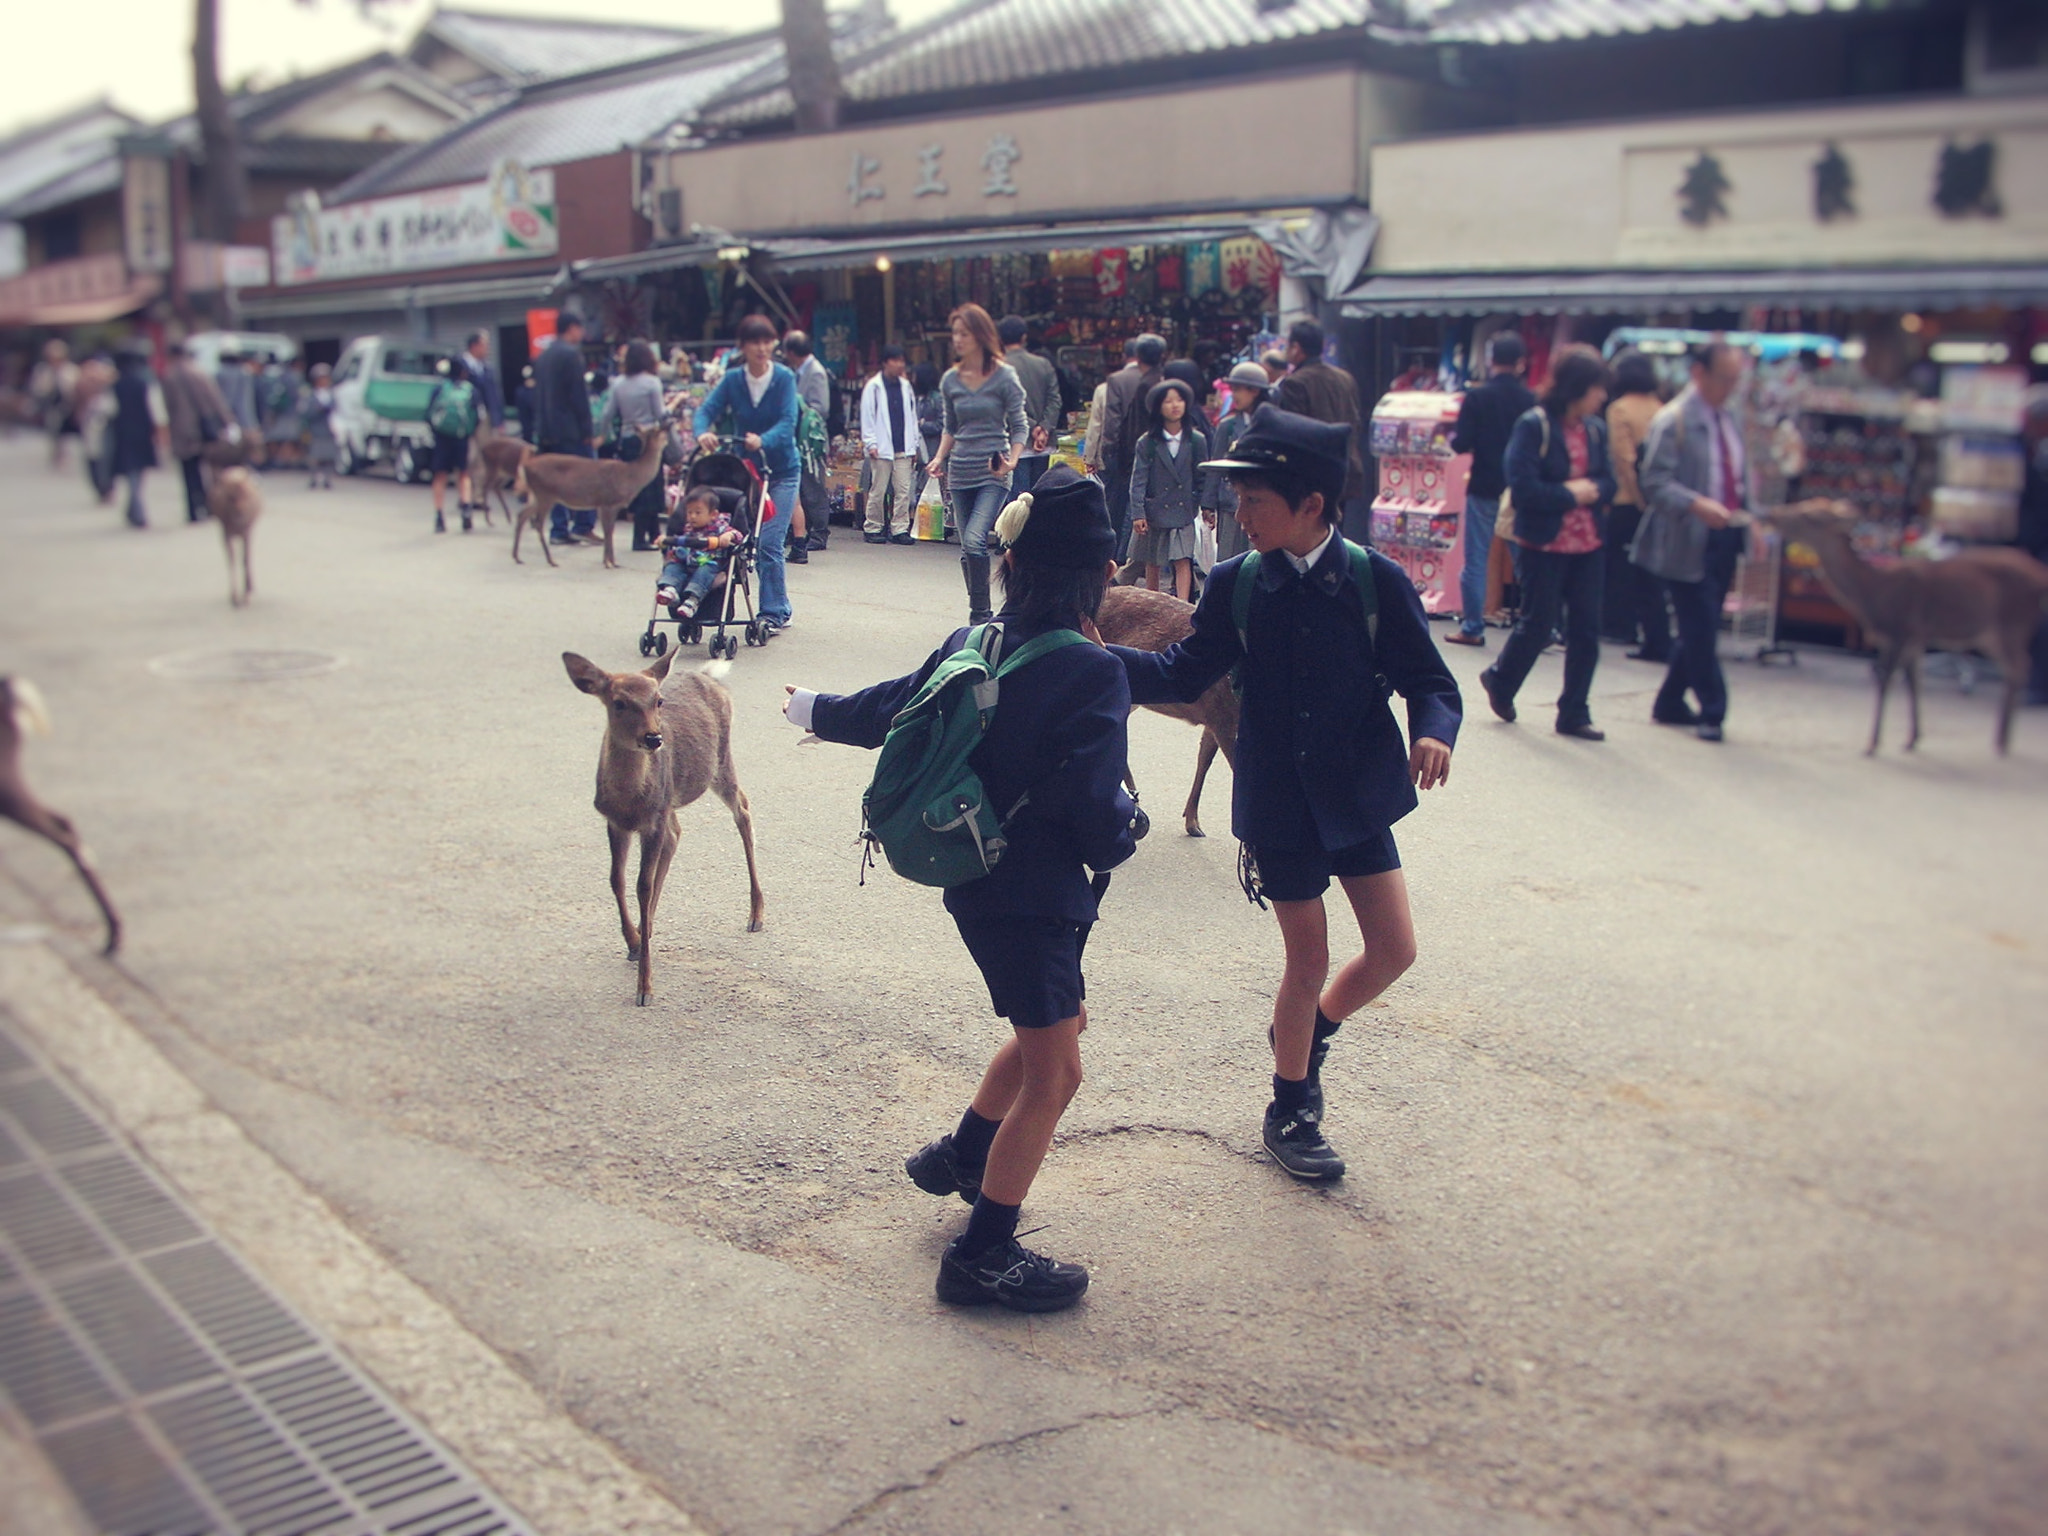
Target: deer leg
{"points": [[2009, 702], [1912, 665], [621, 840], [727, 788], [248, 575], [610, 519], [1205, 754], [57, 827], [655, 849], [1887, 659], [518, 532]]}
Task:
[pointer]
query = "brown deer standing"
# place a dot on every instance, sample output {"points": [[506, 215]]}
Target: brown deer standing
{"points": [[236, 501], [22, 715], [666, 741], [604, 486], [494, 462], [1152, 621], [1985, 599]]}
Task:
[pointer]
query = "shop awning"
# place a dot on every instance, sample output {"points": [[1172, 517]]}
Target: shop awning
{"points": [[1579, 293], [287, 303], [938, 245], [92, 311], [662, 258]]}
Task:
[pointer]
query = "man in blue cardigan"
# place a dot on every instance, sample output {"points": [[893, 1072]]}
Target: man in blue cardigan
{"points": [[757, 403], [1322, 773]]}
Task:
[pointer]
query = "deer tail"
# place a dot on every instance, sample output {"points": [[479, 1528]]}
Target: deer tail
{"points": [[31, 714], [715, 669]]}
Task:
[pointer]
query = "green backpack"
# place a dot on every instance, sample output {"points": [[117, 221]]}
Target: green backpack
{"points": [[926, 809], [1361, 581], [454, 410]]}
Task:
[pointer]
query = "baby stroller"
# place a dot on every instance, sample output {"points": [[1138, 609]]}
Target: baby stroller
{"points": [[736, 565]]}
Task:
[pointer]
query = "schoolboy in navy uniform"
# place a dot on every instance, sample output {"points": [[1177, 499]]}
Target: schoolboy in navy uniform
{"points": [[1322, 773], [1059, 733]]}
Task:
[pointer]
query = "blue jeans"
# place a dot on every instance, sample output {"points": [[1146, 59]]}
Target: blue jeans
{"points": [[558, 517], [1481, 513], [977, 509], [696, 578], [1028, 469], [771, 543]]}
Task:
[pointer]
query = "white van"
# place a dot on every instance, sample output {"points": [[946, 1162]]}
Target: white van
{"points": [[381, 387], [205, 348]]}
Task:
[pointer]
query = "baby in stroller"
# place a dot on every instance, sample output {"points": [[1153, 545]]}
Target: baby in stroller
{"points": [[700, 531]]}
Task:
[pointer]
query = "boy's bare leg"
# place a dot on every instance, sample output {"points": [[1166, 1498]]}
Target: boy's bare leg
{"points": [[1304, 931], [1152, 578], [1380, 903], [1183, 579], [999, 1084], [1049, 1062]]}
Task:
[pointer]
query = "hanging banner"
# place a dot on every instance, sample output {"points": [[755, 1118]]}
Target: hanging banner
{"points": [[1205, 268], [833, 331], [511, 217], [1112, 273]]}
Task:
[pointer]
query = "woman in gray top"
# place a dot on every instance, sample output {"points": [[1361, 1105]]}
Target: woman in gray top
{"points": [[636, 402], [985, 432]]}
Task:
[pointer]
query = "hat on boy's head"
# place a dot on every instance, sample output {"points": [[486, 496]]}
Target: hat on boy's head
{"points": [[1062, 521], [1315, 453]]}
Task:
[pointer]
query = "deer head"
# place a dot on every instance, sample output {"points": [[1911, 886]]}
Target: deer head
{"points": [[632, 701]]}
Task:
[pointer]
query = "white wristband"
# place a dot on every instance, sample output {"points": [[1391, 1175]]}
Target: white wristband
{"points": [[798, 710]]}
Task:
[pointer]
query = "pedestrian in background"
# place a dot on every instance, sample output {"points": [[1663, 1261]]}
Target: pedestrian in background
{"points": [[1275, 364], [1041, 383], [140, 424], [1190, 373], [889, 438], [985, 432], [1250, 388], [475, 359], [1560, 475], [931, 426], [636, 402], [1696, 494], [526, 404], [1486, 417], [1635, 601], [1123, 422], [53, 386], [562, 421], [812, 524], [323, 445], [2031, 531], [1314, 389], [1092, 446], [453, 411], [238, 389], [757, 403], [1165, 486], [198, 416]]}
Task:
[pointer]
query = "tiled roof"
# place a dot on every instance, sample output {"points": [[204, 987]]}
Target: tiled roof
{"points": [[985, 44], [570, 119], [35, 157], [521, 49]]}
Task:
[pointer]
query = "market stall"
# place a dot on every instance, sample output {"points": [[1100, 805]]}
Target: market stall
{"points": [[1418, 515]]}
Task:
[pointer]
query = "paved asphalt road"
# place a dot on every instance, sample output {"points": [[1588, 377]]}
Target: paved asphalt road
{"points": [[1697, 1182]]}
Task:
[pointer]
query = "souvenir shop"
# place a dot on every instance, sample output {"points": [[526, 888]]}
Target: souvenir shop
{"points": [[1881, 374]]}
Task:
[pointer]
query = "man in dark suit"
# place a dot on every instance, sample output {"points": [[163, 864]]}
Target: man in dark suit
{"points": [[562, 404], [1316, 390], [1123, 423], [1486, 416]]}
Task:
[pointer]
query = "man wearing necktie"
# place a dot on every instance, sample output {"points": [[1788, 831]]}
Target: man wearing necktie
{"points": [[1694, 466]]}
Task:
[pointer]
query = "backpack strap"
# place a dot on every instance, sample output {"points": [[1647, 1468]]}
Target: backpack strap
{"points": [[1361, 579]]}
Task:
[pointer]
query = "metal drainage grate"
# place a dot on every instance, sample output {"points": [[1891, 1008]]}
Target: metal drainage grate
{"points": [[171, 1390], [241, 666]]}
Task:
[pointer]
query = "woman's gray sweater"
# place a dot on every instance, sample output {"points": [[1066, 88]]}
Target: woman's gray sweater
{"points": [[982, 421], [635, 403]]}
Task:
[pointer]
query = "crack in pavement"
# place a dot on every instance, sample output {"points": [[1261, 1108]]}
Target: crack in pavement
{"points": [[931, 1476]]}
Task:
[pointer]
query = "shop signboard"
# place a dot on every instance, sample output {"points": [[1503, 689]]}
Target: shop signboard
{"points": [[833, 328], [510, 217], [146, 223]]}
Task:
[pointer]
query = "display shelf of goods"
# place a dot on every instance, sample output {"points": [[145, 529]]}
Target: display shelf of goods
{"points": [[1860, 447], [1418, 511]]}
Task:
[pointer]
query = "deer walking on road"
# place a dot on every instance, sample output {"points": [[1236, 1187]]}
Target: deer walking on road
{"points": [[22, 715], [494, 462], [666, 741], [1987, 599], [236, 501], [1152, 621], [604, 486]]}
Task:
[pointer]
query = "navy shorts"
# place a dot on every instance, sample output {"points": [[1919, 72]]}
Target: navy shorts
{"points": [[451, 454], [1292, 874], [1032, 966]]}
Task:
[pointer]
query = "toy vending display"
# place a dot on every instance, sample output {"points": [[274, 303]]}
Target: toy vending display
{"points": [[1418, 517]]}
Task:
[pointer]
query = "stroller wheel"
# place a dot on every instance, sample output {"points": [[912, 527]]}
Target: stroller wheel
{"points": [[689, 634], [661, 645], [732, 647], [647, 642]]}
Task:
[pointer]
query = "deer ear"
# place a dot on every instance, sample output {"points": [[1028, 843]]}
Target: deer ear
{"points": [[660, 669], [586, 675]]}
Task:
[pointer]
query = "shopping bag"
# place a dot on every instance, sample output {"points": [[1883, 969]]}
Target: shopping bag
{"points": [[931, 512]]}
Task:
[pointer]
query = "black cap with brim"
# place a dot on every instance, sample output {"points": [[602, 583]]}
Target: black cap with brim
{"points": [[1315, 453]]}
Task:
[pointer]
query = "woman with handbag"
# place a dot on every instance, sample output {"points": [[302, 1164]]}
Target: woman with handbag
{"points": [[1560, 478]]}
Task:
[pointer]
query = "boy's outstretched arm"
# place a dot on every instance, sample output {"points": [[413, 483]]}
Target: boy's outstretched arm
{"points": [[1183, 672], [856, 719]]}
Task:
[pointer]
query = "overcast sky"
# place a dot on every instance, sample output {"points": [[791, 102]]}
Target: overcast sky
{"points": [[65, 52]]}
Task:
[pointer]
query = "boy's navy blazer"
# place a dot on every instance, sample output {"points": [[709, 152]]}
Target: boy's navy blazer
{"points": [[1059, 732], [1320, 761]]}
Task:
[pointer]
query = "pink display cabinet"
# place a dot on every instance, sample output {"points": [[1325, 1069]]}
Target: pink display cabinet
{"points": [[1418, 515]]}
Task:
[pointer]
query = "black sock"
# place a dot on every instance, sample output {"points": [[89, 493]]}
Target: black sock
{"points": [[1289, 1094], [972, 1139], [1326, 1026], [991, 1225], [1319, 1046]]}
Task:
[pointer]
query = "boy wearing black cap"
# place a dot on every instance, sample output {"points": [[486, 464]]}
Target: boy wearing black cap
{"points": [[1055, 750], [1321, 632]]}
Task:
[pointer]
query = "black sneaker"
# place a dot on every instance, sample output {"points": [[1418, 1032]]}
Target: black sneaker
{"points": [[1295, 1140], [1010, 1275], [936, 1169], [440, 523], [466, 524]]}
